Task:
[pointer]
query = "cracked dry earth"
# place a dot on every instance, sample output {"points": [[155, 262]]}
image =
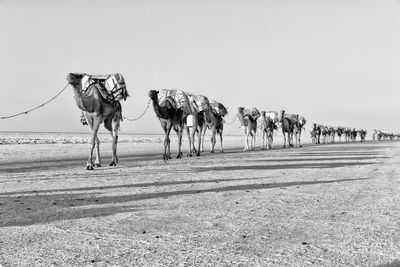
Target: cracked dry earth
{"points": [[327, 205]]}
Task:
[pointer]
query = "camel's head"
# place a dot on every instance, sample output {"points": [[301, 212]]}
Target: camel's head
{"points": [[302, 121], [281, 115], [222, 110], [74, 78], [153, 94]]}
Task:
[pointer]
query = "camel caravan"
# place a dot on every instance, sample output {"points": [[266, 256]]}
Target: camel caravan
{"points": [[99, 96], [181, 111], [251, 119], [379, 135], [329, 133]]}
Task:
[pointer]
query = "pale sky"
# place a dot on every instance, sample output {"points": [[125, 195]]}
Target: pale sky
{"points": [[334, 62]]}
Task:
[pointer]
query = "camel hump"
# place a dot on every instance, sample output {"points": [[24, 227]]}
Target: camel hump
{"points": [[113, 87]]}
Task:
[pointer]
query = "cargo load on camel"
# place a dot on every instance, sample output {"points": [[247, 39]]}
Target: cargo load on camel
{"points": [[180, 97], [292, 117], [111, 86], [201, 102], [219, 108], [253, 113], [273, 115]]}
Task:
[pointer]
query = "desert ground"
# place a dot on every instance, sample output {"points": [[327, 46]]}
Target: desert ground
{"points": [[325, 205]]}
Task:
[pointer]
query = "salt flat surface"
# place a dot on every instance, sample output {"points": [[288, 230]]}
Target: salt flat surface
{"points": [[326, 205]]}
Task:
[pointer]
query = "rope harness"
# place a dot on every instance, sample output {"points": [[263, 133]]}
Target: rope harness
{"points": [[32, 109], [144, 112], [228, 123]]}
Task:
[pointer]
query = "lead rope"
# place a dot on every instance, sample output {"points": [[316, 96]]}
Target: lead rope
{"points": [[144, 112], [228, 123], [32, 109]]}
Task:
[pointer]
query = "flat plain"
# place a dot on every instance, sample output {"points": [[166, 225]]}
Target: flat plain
{"points": [[325, 205]]}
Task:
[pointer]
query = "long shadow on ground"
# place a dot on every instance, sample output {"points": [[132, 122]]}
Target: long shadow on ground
{"points": [[282, 166], [122, 186], [313, 159], [44, 165], [30, 210]]}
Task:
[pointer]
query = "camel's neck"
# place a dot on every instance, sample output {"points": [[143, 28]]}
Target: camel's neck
{"points": [[158, 110], [244, 121], [241, 118], [84, 102], [212, 117]]}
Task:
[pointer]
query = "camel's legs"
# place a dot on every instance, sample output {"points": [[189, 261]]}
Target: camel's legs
{"points": [[179, 132], [246, 140], [97, 163], [263, 137], [203, 133], [284, 139], [299, 139], [114, 134], [95, 128], [199, 131], [270, 140], [167, 142], [221, 140], [253, 140], [213, 138], [191, 141]]}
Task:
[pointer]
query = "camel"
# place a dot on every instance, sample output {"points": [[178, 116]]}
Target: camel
{"points": [[324, 133], [374, 134], [189, 116], [297, 128], [379, 135], [197, 124], [287, 123], [331, 134], [249, 126], [362, 133], [353, 135], [214, 120], [347, 134], [96, 110], [318, 132], [314, 134], [170, 117], [267, 126], [339, 132]]}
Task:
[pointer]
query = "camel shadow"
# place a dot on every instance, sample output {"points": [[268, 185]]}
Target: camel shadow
{"points": [[125, 186], [46, 208], [314, 159], [326, 165], [47, 165]]}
